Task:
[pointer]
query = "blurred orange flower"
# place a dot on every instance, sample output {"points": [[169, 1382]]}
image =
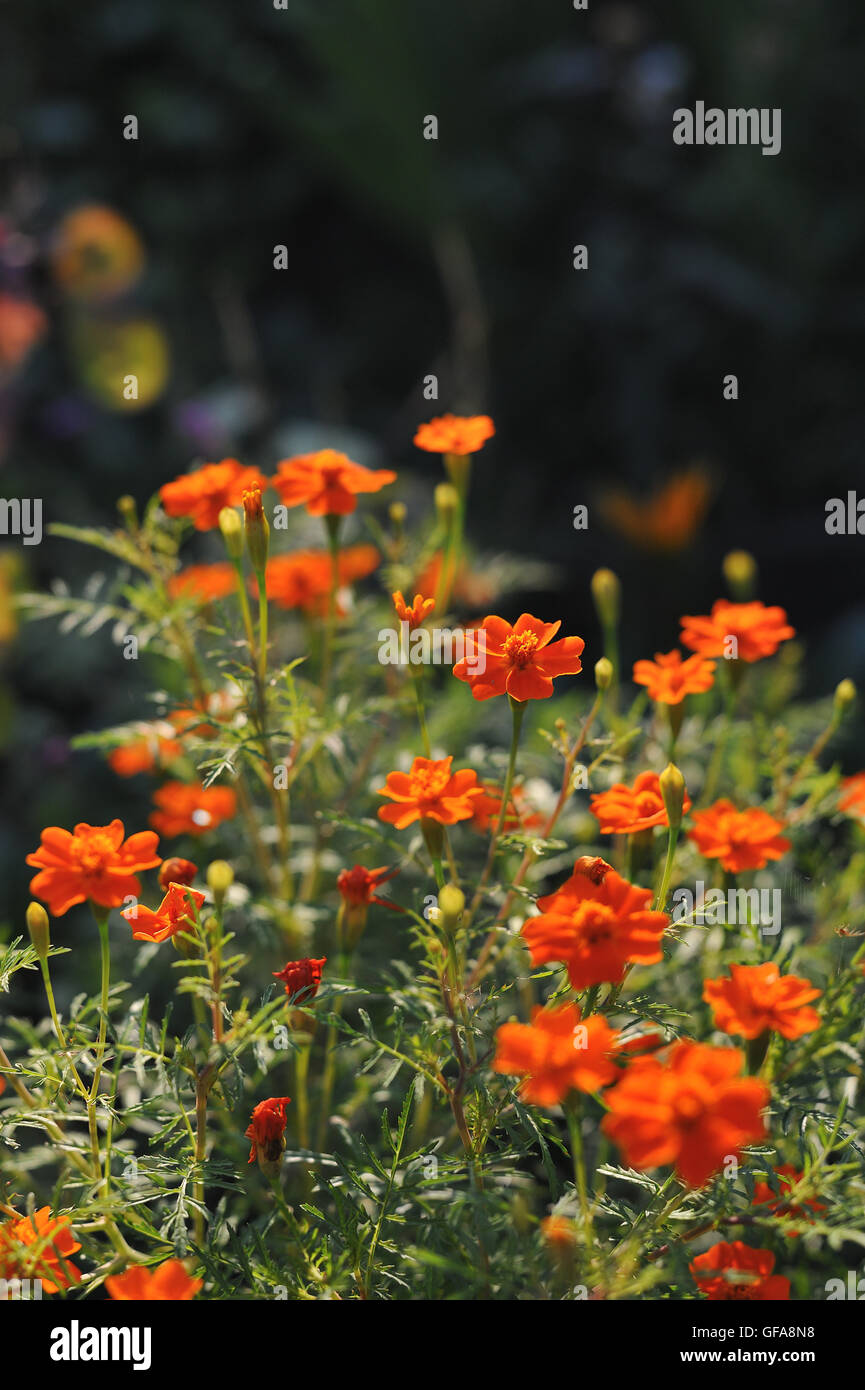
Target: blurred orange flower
{"points": [[202, 495], [267, 1129], [788, 1177], [557, 1054], [22, 324], [522, 660], [758, 997], [520, 815], [92, 863], [736, 1271], [144, 754], [97, 254], [169, 1281], [741, 840], [668, 519], [174, 914], [455, 434], [204, 583], [38, 1246], [853, 799], [596, 924], [303, 578], [758, 630], [669, 679], [624, 810], [472, 587], [415, 613], [695, 1110], [326, 482], [430, 791], [190, 809]]}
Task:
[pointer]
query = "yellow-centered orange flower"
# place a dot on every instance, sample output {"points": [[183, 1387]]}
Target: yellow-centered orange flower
{"points": [[669, 679], [455, 434], [93, 862], [327, 483], [557, 1054], [757, 998], [624, 810], [521, 660], [758, 630], [741, 840], [430, 791]]}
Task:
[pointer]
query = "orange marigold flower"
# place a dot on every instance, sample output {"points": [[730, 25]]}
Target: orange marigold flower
{"points": [[267, 1129], [740, 839], [202, 495], [301, 978], [176, 871], [93, 862], [694, 1110], [203, 583], [174, 914], [669, 679], [667, 520], [853, 798], [519, 815], [522, 660], [597, 925], [143, 754], [430, 791], [757, 998], [415, 613], [169, 1281], [624, 810], [732, 1270], [190, 809], [788, 1177], [557, 1054], [559, 1233], [758, 630], [455, 434], [326, 482], [303, 579], [38, 1247], [357, 885]]}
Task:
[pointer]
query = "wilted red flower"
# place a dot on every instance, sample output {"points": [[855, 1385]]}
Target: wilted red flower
{"points": [[38, 1247], [414, 613], [757, 998], [736, 1271], [596, 926], [741, 840], [267, 1129], [92, 863], [303, 579], [758, 630], [522, 660], [624, 810], [695, 1110], [174, 914], [203, 583], [669, 679], [326, 482], [202, 495], [301, 978], [557, 1054], [455, 434], [190, 809], [430, 791], [787, 1177], [177, 871], [169, 1281]]}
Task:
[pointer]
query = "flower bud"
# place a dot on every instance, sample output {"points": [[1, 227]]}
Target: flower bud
{"points": [[673, 791], [220, 877], [38, 927], [232, 532], [845, 694], [257, 529], [740, 572], [607, 594], [603, 672], [451, 902], [129, 512], [446, 500], [177, 871], [397, 511]]}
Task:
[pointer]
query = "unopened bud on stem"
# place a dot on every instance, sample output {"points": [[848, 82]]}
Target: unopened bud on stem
{"points": [[38, 927], [673, 791]]}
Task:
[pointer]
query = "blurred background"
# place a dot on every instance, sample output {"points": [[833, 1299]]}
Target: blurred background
{"points": [[303, 127]]}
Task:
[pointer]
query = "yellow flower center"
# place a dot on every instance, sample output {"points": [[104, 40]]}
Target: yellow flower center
{"points": [[595, 922], [519, 648], [429, 783], [90, 852]]}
